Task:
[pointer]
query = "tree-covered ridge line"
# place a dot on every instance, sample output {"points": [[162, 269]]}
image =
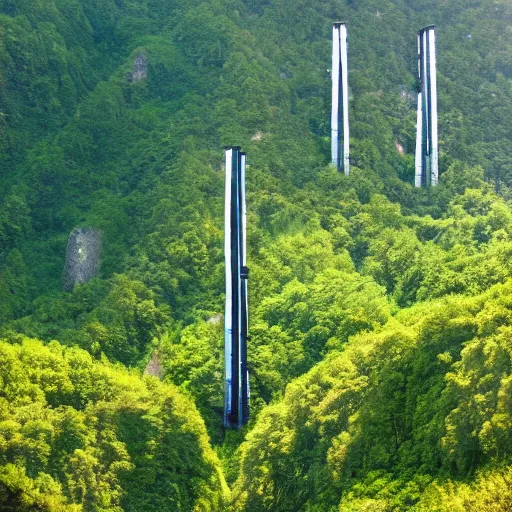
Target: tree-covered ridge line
{"points": [[257, 88], [76, 434], [397, 421], [86, 141]]}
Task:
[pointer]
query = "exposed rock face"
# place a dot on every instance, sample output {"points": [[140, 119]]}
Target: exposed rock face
{"points": [[217, 319], [82, 256], [154, 366], [257, 136], [140, 68]]}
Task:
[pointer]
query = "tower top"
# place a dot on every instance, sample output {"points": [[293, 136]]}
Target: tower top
{"points": [[428, 27]]}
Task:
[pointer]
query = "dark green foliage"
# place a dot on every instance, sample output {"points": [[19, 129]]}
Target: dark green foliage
{"points": [[378, 313]]}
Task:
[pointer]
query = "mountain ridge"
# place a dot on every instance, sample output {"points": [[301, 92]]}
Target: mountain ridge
{"points": [[338, 264]]}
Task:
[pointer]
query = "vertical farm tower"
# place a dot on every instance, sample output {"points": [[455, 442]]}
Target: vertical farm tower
{"points": [[427, 148], [236, 383], [339, 114]]}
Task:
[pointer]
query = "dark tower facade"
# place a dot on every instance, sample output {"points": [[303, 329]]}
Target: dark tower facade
{"points": [[236, 382]]}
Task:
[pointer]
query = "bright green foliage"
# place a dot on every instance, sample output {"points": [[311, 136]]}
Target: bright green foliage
{"points": [[379, 314], [77, 435], [193, 359], [490, 491], [424, 397]]}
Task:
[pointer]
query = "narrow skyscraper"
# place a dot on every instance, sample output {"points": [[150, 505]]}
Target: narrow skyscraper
{"points": [[427, 149], [340, 145], [236, 383]]}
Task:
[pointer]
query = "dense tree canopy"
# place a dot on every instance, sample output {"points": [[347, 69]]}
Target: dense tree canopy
{"points": [[76, 434], [379, 314]]}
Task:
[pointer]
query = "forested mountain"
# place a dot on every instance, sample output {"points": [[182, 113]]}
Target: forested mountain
{"points": [[380, 315]]}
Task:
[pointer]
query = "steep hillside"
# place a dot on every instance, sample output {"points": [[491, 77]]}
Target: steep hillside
{"points": [[396, 414], [78, 435], [113, 116]]}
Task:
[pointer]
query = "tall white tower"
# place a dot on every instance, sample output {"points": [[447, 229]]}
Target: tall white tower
{"points": [[427, 144], [236, 379], [340, 143]]}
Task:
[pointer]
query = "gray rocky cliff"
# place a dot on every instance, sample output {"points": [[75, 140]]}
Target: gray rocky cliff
{"points": [[83, 256]]}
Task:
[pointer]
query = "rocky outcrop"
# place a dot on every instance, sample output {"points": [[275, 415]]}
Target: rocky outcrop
{"points": [[83, 257], [217, 319], [154, 366], [140, 68]]}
